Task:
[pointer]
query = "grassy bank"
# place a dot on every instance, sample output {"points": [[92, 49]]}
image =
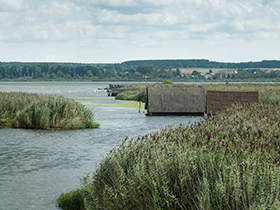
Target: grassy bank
{"points": [[230, 161], [135, 95], [138, 95], [24, 110], [268, 93]]}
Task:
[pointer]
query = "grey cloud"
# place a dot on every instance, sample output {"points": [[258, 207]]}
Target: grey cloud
{"points": [[127, 10], [130, 21], [7, 5]]}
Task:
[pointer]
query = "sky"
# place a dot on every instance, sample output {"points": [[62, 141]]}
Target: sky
{"points": [[114, 31]]}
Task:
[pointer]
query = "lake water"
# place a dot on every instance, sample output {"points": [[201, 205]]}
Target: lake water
{"points": [[36, 166]]}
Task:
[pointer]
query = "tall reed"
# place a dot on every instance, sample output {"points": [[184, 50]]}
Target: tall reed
{"points": [[22, 110], [136, 95], [268, 93], [230, 161]]}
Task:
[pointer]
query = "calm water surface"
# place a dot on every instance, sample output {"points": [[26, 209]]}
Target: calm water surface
{"points": [[36, 166]]}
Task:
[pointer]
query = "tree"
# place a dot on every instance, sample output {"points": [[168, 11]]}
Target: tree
{"points": [[60, 74], [145, 69], [89, 74], [109, 73], [52, 76], [195, 73], [273, 74], [178, 72]]}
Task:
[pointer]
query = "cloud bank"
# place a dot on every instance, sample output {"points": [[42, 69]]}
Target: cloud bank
{"points": [[118, 30]]}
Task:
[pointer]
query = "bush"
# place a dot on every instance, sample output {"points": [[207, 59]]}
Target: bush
{"points": [[72, 200], [167, 82]]}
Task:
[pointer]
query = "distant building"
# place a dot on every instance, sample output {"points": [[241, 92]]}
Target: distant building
{"points": [[229, 73]]}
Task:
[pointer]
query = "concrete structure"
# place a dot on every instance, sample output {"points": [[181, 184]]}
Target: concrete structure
{"points": [[175, 100], [220, 100]]}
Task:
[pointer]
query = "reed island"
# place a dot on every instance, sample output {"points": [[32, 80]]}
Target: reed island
{"points": [[25, 110]]}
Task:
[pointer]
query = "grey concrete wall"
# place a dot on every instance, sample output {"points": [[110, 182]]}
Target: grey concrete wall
{"points": [[219, 100], [175, 100]]}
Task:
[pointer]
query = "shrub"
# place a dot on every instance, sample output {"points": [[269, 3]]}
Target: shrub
{"points": [[72, 200], [169, 82]]}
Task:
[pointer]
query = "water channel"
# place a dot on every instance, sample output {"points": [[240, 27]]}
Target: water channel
{"points": [[36, 166]]}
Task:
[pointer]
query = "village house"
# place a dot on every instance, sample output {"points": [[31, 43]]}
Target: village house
{"points": [[186, 75], [229, 73]]}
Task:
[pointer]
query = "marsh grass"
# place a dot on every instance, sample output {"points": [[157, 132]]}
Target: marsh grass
{"points": [[88, 98], [23, 110], [229, 161], [268, 93], [137, 95], [75, 199]]}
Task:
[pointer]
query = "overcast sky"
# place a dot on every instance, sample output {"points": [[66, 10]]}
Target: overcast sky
{"points": [[113, 31]]}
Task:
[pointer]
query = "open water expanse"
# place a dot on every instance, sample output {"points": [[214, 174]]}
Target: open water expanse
{"points": [[36, 166]]}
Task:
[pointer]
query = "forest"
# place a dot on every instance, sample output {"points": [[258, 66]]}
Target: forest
{"points": [[203, 63], [132, 70]]}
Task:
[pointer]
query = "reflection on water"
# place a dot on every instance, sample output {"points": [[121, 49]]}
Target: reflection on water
{"points": [[37, 166]]}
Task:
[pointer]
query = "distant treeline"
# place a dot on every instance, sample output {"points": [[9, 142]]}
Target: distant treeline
{"points": [[203, 63], [69, 71], [129, 70]]}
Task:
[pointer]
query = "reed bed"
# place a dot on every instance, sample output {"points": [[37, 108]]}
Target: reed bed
{"points": [[268, 93], [24, 110], [133, 95], [229, 161]]}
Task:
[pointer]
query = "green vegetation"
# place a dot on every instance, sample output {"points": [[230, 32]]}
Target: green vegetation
{"points": [[23, 110], [73, 199], [136, 95], [229, 161], [203, 63], [167, 82], [268, 93], [155, 70]]}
